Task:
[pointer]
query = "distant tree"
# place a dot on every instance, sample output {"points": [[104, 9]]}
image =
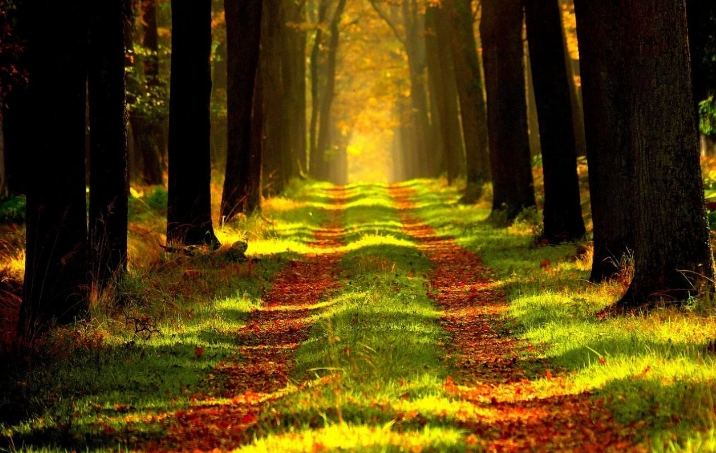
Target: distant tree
{"points": [[611, 174], [473, 111], [243, 34], [562, 209], [295, 40], [319, 166], [510, 162], [55, 286], [672, 256], [109, 180], [148, 112], [444, 89], [407, 25], [189, 204]]}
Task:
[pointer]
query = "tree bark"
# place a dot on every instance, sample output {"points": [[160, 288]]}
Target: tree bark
{"points": [[295, 84], [189, 205], [315, 88], [468, 74], [510, 162], [109, 179], [277, 161], [442, 74], [55, 286], [243, 35], [673, 260], [611, 175], [562, 209]]}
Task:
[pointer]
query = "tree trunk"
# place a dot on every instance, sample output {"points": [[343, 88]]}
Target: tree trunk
{"points": [[276, 154], [55, 286], [442, 74], [243, 35], [472, 98], [562, 209], [673, 259], [323, 144], [109, 183], [425, 143], [189, 205], [315, 88], [611, 176], [510, 162], [532, 114], [295, 84], [18, 120]]}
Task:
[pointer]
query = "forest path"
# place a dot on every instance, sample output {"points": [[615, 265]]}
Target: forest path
{"points": [[499, 405], [268, 341], [486, 391]]}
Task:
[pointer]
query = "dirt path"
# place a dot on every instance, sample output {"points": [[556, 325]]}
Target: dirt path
{"points": [[222, 417], [502, 408]]}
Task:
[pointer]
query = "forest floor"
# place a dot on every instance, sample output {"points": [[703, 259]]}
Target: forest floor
{"points": [[366, 318]]}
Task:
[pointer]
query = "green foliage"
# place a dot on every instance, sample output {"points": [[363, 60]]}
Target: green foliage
{"points": [[12, 209], [153, 203], [707, 119]]}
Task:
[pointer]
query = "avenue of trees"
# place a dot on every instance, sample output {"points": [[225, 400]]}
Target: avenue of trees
{"points": [[95, 94]]}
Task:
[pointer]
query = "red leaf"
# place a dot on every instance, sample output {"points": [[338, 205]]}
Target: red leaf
{"points": [[199, 351], [248, 418]]}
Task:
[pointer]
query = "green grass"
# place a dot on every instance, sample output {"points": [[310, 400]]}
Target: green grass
{"points": [[372, 376], [653, 369]]}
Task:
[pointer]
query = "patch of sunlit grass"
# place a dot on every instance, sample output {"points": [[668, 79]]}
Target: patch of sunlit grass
{"points": [[651, 367], [359, 437]]}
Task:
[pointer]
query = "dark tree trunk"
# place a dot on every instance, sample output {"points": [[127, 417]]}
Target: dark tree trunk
{"points": [[255, 161], [277, 161], [18, 120], [295, 84], [109, 183], [611, 176], [442, 76], [532, 116], [189, 205], [673, 258], [18, 125], [472, 98], [55, 286], [243, 35], [562, 209], [510, 162]]}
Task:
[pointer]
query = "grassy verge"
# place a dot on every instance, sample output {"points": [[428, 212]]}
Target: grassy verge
{"points": [[652, 370], [153, 337]]}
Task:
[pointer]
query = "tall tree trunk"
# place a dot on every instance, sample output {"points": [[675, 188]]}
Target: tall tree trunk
{"points": [[510, 162], [189, 206], [575, 95], [18, 125], [243, 35], [611, 175], [673, 258], [315, 88], [562, 209], [55, 286], [109, 179], [323, 143], [532, 114], [468, 74], [255, 160], [442, 76], [295, 83], [425, 142], [276, 155]]}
